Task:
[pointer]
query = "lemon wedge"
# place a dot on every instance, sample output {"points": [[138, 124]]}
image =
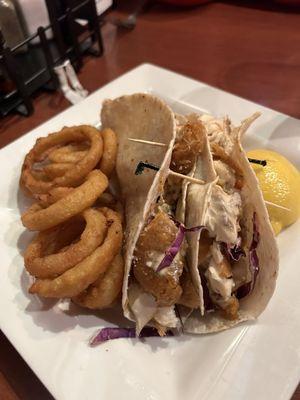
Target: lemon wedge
{"points": [[279, 181]]}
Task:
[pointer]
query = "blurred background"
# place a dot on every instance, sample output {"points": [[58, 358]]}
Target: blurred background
{"points": [[44, 43], [36, 36], [53, 53]]}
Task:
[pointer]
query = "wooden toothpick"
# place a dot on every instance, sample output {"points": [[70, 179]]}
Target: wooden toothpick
{"points": [[142, 165], [147, 142], [278, 206], [187, 177]]}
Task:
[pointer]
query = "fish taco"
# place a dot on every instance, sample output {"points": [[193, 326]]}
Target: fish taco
{"points": [[237, 251], [199, 247], [157, 277]]}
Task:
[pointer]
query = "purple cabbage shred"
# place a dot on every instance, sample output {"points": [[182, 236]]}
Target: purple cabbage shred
{"points": [[233, 253], [244, 290], [172, 251], [105, 334]]}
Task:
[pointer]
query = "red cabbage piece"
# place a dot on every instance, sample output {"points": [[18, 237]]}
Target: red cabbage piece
{"points": [[233, 253], [244, 290], [110, 333], [171, 252], [256, 236]]}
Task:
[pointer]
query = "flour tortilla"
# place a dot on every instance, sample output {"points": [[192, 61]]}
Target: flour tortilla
{"points": [[141, 116], [196, 204], [252, 305]]}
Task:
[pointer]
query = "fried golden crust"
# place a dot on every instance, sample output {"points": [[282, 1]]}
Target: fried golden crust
{"points": [[77, 279], [72, 176], [37, 218], [51, 265], [108, 160], [102, 293], [189, 298], [71, 153], [230, 309], [153, 242], [188, 147]]}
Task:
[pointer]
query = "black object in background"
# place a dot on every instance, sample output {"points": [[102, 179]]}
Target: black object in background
{"points": [[33, 69], [68, 31]]}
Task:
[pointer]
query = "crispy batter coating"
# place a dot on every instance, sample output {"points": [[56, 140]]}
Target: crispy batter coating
{"points": [[37, 218], [74, 281], [51, 265], [72, 176], [190, 297], [102, 293], [108, 160], [187, 147], [156, 237], [71, 153]]}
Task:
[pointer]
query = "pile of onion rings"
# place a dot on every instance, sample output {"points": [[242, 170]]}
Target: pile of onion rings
{"points": [[76, 253]]}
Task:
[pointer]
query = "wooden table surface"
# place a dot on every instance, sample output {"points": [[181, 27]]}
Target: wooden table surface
{"points": [[250, 49]]}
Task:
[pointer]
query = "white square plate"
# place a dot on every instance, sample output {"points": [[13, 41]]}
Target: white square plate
{"points": [[251, 361]]}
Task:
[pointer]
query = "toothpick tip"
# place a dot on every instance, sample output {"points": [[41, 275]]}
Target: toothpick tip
{"points": [[277, 205]]}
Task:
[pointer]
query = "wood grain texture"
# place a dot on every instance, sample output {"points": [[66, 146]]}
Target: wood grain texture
{"points": [[251, 49], [251, 52], [6, 389], [17, 381]]}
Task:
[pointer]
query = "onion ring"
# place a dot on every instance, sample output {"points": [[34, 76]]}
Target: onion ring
{"points": [[68, 232], [108, 200], [53, 265], [106, 289], [56, 170], [78, 278], [108, 160], [55, 194], [71, 153], [40, 174], [38, 219], [74, 175]]}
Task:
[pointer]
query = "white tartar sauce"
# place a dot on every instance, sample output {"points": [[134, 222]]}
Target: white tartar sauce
{"points": [[222, 214]]}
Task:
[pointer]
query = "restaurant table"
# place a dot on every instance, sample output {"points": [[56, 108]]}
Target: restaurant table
{"points": [[251, 49]]}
